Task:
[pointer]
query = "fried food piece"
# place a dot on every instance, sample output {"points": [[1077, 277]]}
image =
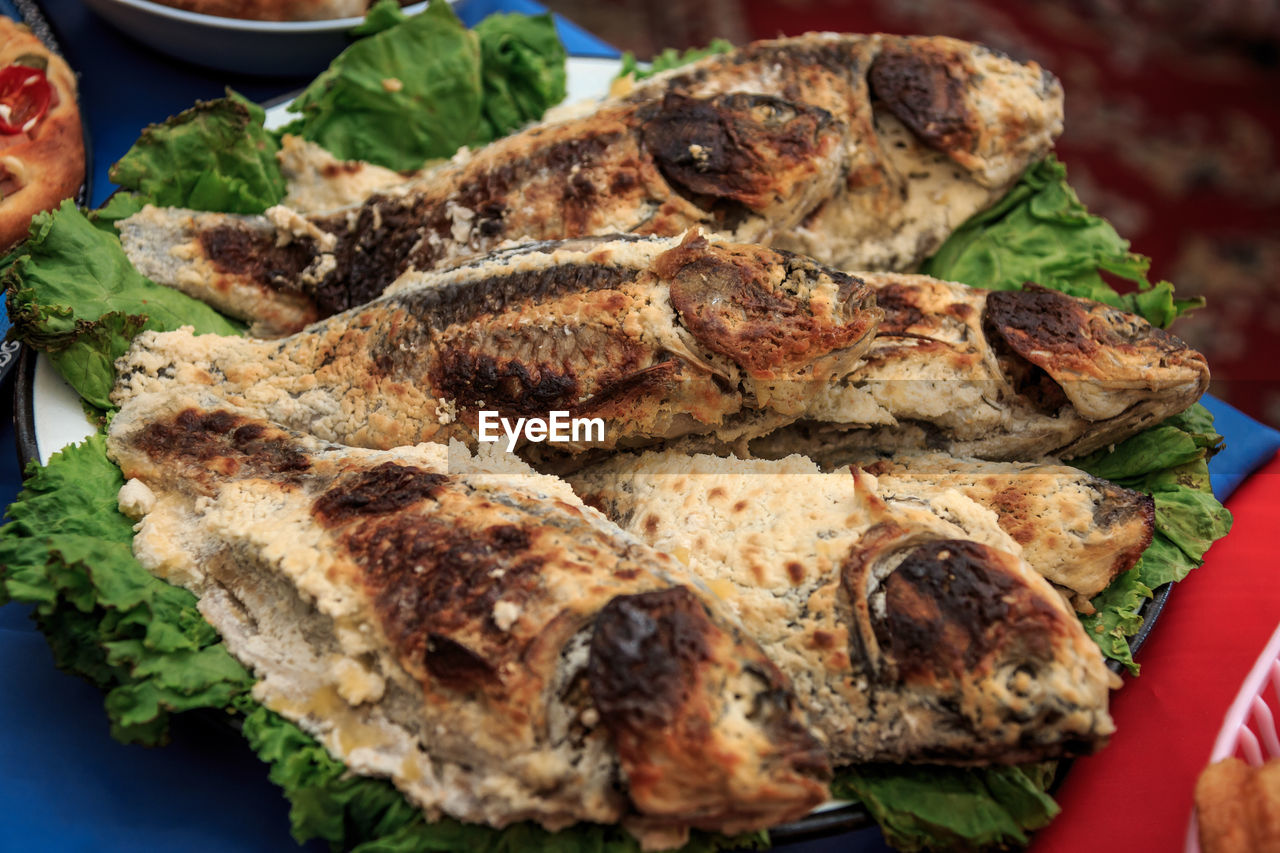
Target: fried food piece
{"points": [[1238, 807]]}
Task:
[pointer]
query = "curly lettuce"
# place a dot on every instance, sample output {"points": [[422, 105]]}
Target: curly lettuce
{"points": [[73, 294]]}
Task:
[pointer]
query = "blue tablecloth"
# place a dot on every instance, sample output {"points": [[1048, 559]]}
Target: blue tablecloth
{"points": [[65, 784]]}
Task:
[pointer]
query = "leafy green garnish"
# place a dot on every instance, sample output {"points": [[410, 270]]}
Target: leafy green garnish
{"points": [[1170, 463], [522, 70], [214, 156], [382, 15], [671, 58], [406, 94], [360, 813], [953, 808], [1040, 232], [67, 551], [418, 88], [74, 295]]}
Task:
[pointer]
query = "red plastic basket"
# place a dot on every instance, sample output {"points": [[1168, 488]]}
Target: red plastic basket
{"points": [[1249, 729]]}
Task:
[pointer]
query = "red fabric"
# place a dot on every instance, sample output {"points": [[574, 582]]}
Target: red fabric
{"points": [[1136, 794], [1171, 133]]}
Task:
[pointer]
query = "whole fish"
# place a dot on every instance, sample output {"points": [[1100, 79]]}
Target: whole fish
{"points": [[906, 639], [647, 338], [1002, 375], [466, 628], [862, 151]]}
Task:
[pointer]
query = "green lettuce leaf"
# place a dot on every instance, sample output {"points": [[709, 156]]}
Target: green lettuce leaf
{"points": [[419, 88], [369, 815], [1040, 232], [382, 15], [214, 156], [671, 58], [1170, 463], [406, 94], [522, 70], [66, 551], [952, 808], [1116, 618], [73, 294]]}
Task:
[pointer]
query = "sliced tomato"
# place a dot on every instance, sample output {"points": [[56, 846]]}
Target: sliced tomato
{"points": [[25, 94]]}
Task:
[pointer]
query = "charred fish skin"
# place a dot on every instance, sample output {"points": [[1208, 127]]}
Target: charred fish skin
{"points": [[656, 337], [457, 625], [861, 151], [999, 375], [1078, 531], [906, 638]]}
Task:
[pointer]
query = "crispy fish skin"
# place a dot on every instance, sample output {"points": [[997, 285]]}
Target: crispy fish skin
{"points": [[1076, 530], [658, 337], [907, 640], [1001, 375], [466, 628], [862, 151]]}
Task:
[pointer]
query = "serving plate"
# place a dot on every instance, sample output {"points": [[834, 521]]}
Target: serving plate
{"points": [[233, 44], [49, 416]]}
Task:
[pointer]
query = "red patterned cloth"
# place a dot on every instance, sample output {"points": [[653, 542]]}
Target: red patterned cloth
{"points": [[1171, 124]]}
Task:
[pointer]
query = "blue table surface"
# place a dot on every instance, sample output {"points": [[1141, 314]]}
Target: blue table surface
{"points": [[65, 784]]}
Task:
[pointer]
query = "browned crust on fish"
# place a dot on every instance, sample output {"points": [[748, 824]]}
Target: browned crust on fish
{"points": [[656, 659], [728, 301], [629, 330], [1077, 339], [468, 593], [780, 143]]}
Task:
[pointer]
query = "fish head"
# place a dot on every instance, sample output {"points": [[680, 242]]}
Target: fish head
{"points": [[739, 155], [785, 322], [1057, 348], [966, 637], [676, 688], [984, 111]]}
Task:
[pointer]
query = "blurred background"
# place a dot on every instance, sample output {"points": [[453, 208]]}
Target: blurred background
{"points": [[1172, 118]]}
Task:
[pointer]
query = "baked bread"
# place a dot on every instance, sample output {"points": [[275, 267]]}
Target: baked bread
{"points": [[41, 140]]}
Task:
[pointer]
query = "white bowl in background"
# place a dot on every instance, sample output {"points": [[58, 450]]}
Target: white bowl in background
{"points": [[233, 44]]}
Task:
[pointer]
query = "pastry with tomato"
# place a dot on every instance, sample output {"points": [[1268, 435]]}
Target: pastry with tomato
{"points": [[41, 142]]}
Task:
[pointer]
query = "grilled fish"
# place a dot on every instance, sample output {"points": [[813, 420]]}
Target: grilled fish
{"points": [[906, 639], [655, 337], [466, 628], [1002, 375], [1076, 530], [862, 151]]}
